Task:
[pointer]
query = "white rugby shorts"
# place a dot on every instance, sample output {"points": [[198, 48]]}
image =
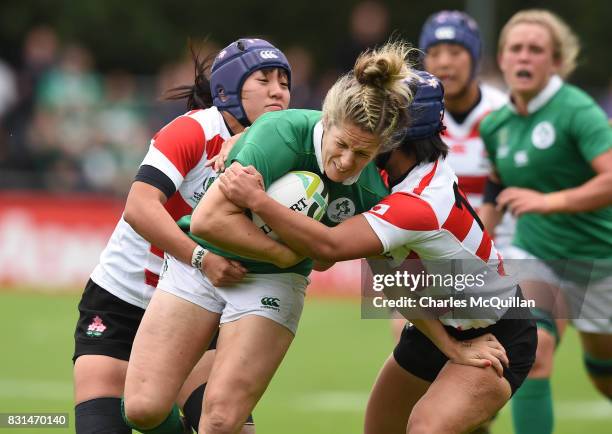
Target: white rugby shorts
{"points": [[590, 305], [279, 297]]}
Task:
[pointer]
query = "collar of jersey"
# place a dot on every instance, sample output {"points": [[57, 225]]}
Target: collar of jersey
{"points": [[317, 142], [545, 95]]}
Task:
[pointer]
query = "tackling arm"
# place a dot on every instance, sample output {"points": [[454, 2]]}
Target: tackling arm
{"points": [[223, 224]]}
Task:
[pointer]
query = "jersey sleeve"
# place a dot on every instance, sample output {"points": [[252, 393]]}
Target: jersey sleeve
{"points": [[270, 146], [591, 131], [176, 149], [401, 219]]}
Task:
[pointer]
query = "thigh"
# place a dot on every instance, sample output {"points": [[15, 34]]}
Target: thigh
{"points": [[103, 339], [393, 396], [249, 351], [171, 338], [97, 376], [462, 398], [198, 376]]}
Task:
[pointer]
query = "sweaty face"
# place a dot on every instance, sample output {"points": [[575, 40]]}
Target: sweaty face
{"points": [[346, 150], [527, 59], [265, 91], [452, 64]]}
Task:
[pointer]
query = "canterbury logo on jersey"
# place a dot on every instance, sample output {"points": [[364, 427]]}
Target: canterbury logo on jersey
{"points": [[268, 54], [270, 302]]}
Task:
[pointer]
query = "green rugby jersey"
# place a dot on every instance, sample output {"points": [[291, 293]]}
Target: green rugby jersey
{"points": [[279, 142], [550, 150]]}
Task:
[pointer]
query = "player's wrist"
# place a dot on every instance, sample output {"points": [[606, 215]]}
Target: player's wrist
{"points": [[257, 201], [556, 202], [197, 256]]}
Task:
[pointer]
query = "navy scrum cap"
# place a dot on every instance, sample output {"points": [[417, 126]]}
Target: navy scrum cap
{"points": [[234, 64], [427, 107], [453, 27]]}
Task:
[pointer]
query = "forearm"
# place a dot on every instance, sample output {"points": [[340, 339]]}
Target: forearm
{"points": [[148, 217], [223, 224], [303, 234], [593, 194], [435, 332]]}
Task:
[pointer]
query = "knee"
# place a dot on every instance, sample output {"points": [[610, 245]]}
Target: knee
{"points": [[219, 421], [543, 364], [427, 423], [145, 412], [221, 417]]}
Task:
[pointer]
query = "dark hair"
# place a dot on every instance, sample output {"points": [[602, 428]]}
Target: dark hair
{"points": [[198, 94], [428, 149]]}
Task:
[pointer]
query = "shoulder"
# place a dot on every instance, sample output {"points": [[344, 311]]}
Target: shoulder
{"points": [[201, 124], [406, 211], [295, 117], [494, 120], [572, 96], [291, 125], [493, 97]]}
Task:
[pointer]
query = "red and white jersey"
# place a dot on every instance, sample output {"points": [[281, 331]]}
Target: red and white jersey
{"points": [[468, 156], [129, 265], [427, 216]]}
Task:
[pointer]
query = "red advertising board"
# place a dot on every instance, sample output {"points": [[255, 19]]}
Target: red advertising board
{"points": [[53, 242]]}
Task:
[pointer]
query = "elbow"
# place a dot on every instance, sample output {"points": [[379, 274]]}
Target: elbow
{"points": [[130, 213]]}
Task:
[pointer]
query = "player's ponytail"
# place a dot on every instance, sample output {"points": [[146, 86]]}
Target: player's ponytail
{"points": [[198, 94], [374, 95]]}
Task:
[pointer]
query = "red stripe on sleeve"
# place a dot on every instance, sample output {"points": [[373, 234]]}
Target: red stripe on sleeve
{"points": [[182, 142], [426, 180], [406, 212]]}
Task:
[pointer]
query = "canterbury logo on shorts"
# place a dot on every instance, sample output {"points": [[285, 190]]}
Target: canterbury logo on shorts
{"points": [[268, 54], [270, 303]]}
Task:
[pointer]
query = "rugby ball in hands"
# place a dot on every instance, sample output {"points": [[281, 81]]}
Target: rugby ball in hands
{"points": [[302, 191]]}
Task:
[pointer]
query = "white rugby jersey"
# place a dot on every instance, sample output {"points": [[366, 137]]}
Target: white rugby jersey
{"points": [[427, 216], [468, 156], [129, 266]]}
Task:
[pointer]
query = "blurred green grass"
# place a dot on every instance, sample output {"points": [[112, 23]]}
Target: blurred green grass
{"points": [[322, 386]]}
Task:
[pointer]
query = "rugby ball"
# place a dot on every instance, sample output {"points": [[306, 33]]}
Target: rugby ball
{"points": [[303, 192]]}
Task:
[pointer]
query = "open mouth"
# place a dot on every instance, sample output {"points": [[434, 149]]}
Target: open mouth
{"points": [[523, 73]]}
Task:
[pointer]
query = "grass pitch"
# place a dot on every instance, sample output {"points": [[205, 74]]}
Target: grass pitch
{"points": [[322, 386]]}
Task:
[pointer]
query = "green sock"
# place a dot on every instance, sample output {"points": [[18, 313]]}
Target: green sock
{"points": [[532, 409], [172, 424]]}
